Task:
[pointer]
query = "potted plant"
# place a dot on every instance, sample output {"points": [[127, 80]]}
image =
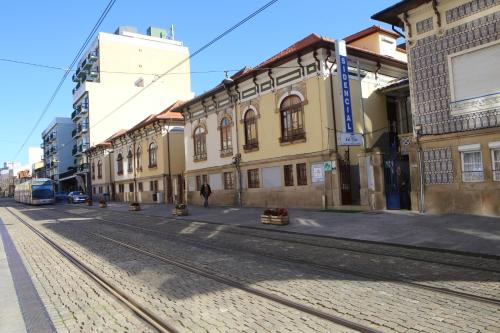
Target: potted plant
{"points": [[88, 202], [277, 216], [102, 203], [180, 209], [135, 206]]}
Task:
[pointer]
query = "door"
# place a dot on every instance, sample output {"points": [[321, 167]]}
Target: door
{"points": [[345, 182]]}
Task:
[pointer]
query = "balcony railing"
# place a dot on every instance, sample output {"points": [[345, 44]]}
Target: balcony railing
{"points": [[226, 152], [251, 145], [83, 127], [83, 108], [75, 150], [68, 173], [92, 56], [73, 133], [291, 136], [75, 78], [200, 157]]}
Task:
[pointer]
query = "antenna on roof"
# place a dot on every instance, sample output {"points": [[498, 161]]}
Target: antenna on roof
{"points": [[171, 34]]}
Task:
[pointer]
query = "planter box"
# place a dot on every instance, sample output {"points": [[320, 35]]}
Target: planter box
{"points": [[89, 203], [276, 220], [103, 205], [179, 212], [134, 208]]}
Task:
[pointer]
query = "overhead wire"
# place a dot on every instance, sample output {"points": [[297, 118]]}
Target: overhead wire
{"points": [[67, 71], [210, 71], [198, 51]]}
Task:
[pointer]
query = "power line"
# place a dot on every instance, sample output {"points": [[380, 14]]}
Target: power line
{"points": [[198, 51], [67, 71], [142, 73]]}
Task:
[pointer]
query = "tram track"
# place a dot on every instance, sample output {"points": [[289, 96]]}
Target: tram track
{"points": [[141, 312], [319, 267], [232, 230], [157, 322]]}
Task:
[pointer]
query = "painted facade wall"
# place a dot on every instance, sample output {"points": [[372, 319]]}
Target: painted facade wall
{"points": [[144, 182], [313, 87]]}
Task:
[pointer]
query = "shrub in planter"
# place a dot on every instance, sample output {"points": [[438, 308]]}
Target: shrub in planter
{"points": [[102, 203], [180, 209], [134, 206], [88, 202], [278, 216]]}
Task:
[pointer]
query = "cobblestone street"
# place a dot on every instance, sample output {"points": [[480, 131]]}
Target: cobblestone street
{"points": [[203, 277]]}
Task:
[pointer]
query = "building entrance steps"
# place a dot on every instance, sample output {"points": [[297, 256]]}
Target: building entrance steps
{"points": [[477, 235]]}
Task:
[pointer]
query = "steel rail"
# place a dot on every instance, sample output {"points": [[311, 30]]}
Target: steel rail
{"points": [[146, 315], [227, 281], [321, 267], [371, 276], [414, 248]]}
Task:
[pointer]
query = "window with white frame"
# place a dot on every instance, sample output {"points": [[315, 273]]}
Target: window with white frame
{"points": [[472, 163], [495, 159]]}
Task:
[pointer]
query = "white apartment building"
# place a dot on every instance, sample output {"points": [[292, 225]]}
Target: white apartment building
{"points": [[119, 82]]}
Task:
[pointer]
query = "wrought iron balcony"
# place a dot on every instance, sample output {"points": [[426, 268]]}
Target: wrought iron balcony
{"points": [[73, 133], [75, 150], [200, 157]]}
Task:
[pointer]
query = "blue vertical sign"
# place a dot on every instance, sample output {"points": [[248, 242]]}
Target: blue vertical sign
{"points": [[343, 72]]}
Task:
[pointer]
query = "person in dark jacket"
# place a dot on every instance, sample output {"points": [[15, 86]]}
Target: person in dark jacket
{"points": [[404, 188], [205, 192]]}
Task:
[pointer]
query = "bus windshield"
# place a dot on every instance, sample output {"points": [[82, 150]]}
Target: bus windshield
{"points": [[43, 191]]}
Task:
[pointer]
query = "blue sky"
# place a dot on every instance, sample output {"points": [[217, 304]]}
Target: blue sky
{"points": [[51, 32]]}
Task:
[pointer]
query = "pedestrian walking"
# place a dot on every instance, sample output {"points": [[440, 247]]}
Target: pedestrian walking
{"points": [[205, 192]]}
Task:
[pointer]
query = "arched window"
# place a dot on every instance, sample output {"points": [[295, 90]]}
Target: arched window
{"points": [[93, 170], [130, 162], [99, 169], [226, 144], [152, 154], [250, 120], [200, 144], [292, 119], [119, 164], [138, 161]]}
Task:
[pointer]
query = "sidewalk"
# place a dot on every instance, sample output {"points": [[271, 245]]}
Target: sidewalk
{"points": [[466, 233], [10, 311]]}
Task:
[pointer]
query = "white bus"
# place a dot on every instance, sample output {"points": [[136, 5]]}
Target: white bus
{"points": [[38, 191]]}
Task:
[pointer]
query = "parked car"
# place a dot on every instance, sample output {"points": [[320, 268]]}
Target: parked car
{"points": [[77, 196], [61, 196]]}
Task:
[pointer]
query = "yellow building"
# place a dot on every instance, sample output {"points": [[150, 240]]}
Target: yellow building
{"points": [[262, 137], [454, 80], [145, 163]]}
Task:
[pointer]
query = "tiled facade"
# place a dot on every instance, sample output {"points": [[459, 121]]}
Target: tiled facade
{"points": [[430, 76], [456, 146]]}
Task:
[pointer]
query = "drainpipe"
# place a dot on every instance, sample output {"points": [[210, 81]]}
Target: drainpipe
{"points": [[134, 167], [169, 184], [111, 189], [418, 130]]}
